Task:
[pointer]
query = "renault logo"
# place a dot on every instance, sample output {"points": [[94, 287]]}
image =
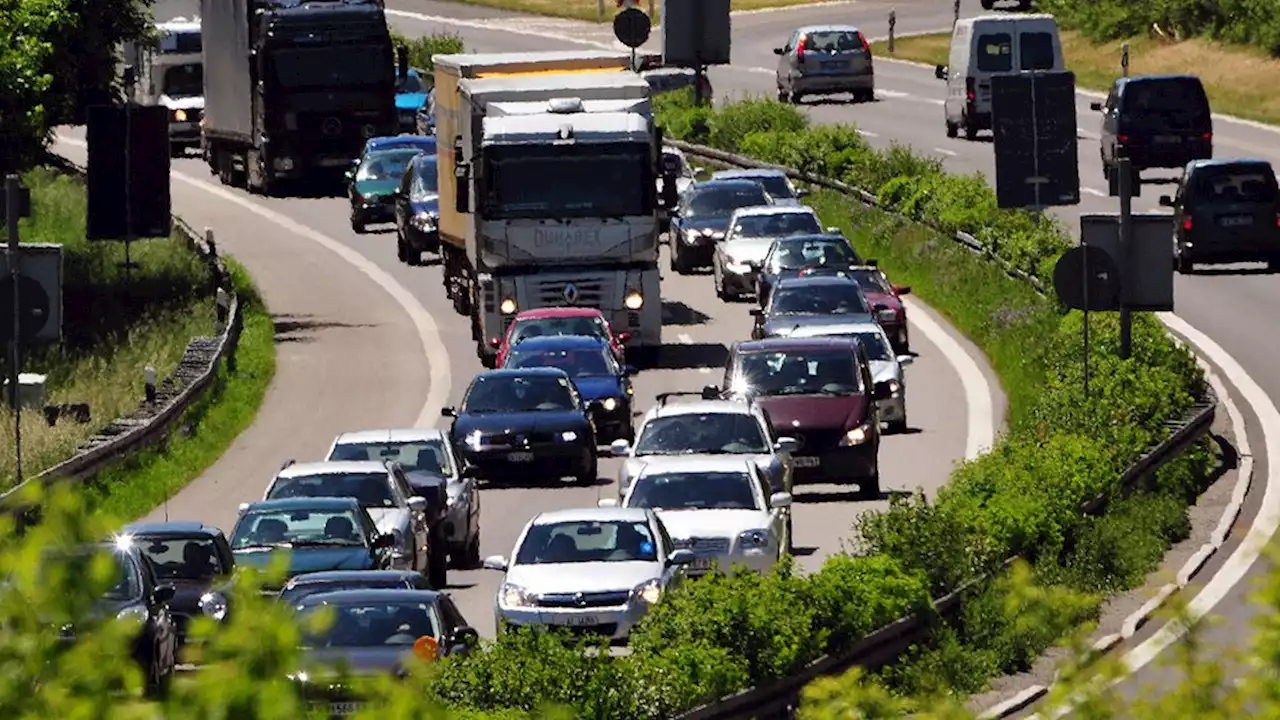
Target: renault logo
{"points": [[580, 600], [571, 294]]}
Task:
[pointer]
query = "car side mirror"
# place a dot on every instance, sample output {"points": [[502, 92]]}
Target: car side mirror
{"points": [[629, 370], [1095, 106], [244, 506], [607, 502], [464, 635], [495, 562], [383, 541], [901, 289], [802, 193], [349, 174], [624, 338], [786, 445], [833, 230], [756, 312], [880, 391], [780, 500], [905, 360], [163, 594], [417, 503], [495, 343], [471, 472], [1166, 201], [681, 557], [619, 448], [778, 51], [711, 392], [448, 411], [699, 170], [940, 72]]}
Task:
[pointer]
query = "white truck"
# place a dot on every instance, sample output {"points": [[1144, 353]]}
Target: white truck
{"points": [[172, 75], [548, 168]]}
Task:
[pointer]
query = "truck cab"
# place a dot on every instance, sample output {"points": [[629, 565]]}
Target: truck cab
{"points": [[172, 75]]}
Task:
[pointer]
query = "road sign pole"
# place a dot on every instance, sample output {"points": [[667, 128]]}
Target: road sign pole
{"points": [[1124, 167], [1084, 280], [1124, 60], [13, 210]]}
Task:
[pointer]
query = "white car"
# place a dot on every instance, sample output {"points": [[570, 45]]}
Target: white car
{"points": [[718, 507], [707, 428], [886, 367], [594, 571], [751, 232]]}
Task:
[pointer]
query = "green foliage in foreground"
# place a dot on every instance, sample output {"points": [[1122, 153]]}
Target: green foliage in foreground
{"points": [[421, 49], [1243, 22]]}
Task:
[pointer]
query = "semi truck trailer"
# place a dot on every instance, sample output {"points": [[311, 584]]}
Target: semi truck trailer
{"points": [[294, 88]]}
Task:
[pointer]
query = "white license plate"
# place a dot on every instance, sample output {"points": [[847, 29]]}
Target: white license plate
{"points": [[806, 461], [345, 708], [1236, 221], [577, 620], [702, 564], [520, 457], [1167, 139]]}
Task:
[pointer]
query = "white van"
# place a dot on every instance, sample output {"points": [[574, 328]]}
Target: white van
{"points": [[993, 45]]}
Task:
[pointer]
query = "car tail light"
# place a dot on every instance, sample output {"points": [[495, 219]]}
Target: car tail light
{"points": [[800, 47], [1122, 139], [1208, 137], [1186, 224], [1278, 221], [970, 93], [866, 46]]}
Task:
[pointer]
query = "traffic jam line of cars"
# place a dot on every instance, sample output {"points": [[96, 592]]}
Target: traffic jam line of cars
{"points": [[373, 529]]}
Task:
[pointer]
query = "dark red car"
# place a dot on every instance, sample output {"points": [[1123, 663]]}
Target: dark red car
{"points": [[891, 313], [559, 321], [819, 391]]}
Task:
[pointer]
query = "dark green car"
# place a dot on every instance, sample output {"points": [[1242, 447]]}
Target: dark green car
{"points": [[370, 185]]}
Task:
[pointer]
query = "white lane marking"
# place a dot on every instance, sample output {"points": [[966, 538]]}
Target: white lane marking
{"points": [[1094, 192], [1087, 135], [428, 334], [686, 339], [977, 391], [1265, 523], [944, 151], [881, 92], [868, 133]]}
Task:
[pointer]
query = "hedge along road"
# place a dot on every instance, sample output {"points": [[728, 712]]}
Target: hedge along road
{"points": [[412, 354]]}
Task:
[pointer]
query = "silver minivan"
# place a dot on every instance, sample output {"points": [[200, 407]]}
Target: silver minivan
{"points": [[825, 60]]}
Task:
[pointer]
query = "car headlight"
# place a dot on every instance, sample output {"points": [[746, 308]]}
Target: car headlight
{"points": [[856, 436], [424, 221], [648, 592], [453, 495], [753, 539], [634, 300], [691, 236], [569, 436], [508, 306], [400, 548], [213, 605], [135, 613], [514, 596], [180, 115], [473, 441], [895, 387], [887, 315], [609, 404]]}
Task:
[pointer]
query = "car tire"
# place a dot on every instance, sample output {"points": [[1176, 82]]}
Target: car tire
{"points": [[898, 427], [358, 225], [953, 130], [437, 562], [402, 247], [471, 559], [679, 262], [588, 475], [795, 98], [782, 95], [866, 96], [970, 130], [1182, 262], [869, 488]]}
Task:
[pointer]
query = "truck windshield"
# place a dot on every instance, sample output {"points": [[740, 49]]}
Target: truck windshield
{"points": [[332, 66], [184, 81], [586, 180]]}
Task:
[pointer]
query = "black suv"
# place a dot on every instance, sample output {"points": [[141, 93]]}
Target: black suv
{"points": [[1226, 211], [1157, 121]]}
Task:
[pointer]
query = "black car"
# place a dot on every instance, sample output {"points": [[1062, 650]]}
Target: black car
{"points": [[140, 596], [520, 425], [1156, 121], [809, 301], [308, 584], [417, 209], [702, 217], [193, 557], [375, 632], [603, 383], [314, 533], [1226, 211], [788, 256]]}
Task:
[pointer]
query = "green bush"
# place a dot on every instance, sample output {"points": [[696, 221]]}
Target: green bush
{"points": [[1243, 22], [422, 49]]}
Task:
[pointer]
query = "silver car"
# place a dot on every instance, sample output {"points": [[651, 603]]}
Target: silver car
{"points": [[825, 60], [886, 367], [775, 182], [751, 232], [707, 427], [427, 458], [593, 571], [381, 489]]}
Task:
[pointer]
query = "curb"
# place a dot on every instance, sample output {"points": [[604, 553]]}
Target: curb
{"points": [[1190, 569]]}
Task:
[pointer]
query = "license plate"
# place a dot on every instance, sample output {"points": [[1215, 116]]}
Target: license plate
{"points": [[345, 708], [520, 457], [1167, 139], [1236, 221], [702, 564], [835, 65], [578, 620], [806, 461]]}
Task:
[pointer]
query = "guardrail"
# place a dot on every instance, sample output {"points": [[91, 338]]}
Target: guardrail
{"points": [[153, 421], [886, 644]]}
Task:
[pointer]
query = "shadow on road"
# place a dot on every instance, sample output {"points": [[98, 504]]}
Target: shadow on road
{"points": [[846, 496], [689, 357], [675, 312], [301, 328]]}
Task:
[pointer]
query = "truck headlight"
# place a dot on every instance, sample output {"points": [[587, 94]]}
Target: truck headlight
{"points": [[514, 596], [213, 605], [508, 306], [634, 300], [180, 115], [753, 539], [648, 592], [856, 436]]}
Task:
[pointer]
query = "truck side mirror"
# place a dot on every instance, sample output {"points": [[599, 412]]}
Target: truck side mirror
{"points": [[462, 188], [940, 72]]}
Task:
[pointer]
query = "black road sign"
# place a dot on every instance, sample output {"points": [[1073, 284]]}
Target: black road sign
{"points": [[1101, 283], [1034, 127], [145, 182], [33, 304], [631, 27]]}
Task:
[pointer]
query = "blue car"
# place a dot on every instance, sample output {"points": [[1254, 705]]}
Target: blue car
{"points": [[604, 384], [417, 208], [410, 96]]}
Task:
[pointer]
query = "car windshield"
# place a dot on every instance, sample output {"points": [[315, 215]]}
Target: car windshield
{"points": [[833, 41], [425, 181], [873, 343], [411, 84], [776, 185], [370, 625], [273, 528], [719, 202], [541, 327], [184, 558], [184, 80], [372, 490], [518, 393], [429, 456], [1237, 184], [807, 372], [291, 596], [694, 491], [775, 225], [842, 298], [386, 164], [681, 161], [582, 362], [1173, 104], [702, 434], [870, 281], [796, 254], [580, 541]]}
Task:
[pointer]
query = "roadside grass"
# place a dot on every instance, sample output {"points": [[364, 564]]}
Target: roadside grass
{"points": [[1240, 81], [113, 327], [142, 482], [589, 10]]}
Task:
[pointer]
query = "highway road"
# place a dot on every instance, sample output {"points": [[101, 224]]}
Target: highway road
{"points": [[368, 342]]}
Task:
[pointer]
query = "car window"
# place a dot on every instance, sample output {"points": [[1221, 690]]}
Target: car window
{"points": [[276, 527], [412, 83], [995, 52], [519, 393], [128, 579], [842, 298], [701, 433], [870, 281], [800, 372], [794, 254], [587, 541], [719, 202], [833, 41], [874, 345], [185, 558], [1035, 50], [664, 537], [425, 180], [1235, 184], [1172, 104], [429, 456], [546, 327], [367, 625], [294, 595], [386, 164], [372, 490], [675, 491], [777, 185], [580, 362], [774, 225]]}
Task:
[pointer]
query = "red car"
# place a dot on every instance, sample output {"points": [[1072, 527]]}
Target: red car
{"points": [[879, 291], [559, 321]]}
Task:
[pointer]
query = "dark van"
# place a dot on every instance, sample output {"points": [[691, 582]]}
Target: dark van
{"points": [[1157, 121], [1226, 211]]}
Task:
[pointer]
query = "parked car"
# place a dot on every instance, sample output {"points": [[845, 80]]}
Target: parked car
{"points": [[195, 559], [825, 60], [1156, 121]]}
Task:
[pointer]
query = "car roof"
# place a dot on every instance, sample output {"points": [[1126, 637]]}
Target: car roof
{"points": [[563, 342], [727, 183], [595, 514], [777, 344], [349, 575], [1158, 78], [372, 595], [703, 407], [363, 437], [332, 467], [694, 463], [814, 237], [558, 312], [774, 210], [176, 527], [823, 28], [305, 503], [1229, 162], [817, 331], [393, 142], [524, 372], [747, 173], [816, 280]]}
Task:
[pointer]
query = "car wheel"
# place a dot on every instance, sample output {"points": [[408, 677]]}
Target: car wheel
{"points": [[402, 248], [970, 130], [472, 559], [437, 562], [952, 129], [1182, 262], [358, 225], [898, 426], [795, 98], [867, 96], [782, 95], [869, 489], [590, 470]]}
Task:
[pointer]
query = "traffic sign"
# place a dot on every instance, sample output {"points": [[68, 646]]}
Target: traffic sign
{"points": [[33, 306], [1087, 273], [631, 27], [1034, 132]]}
